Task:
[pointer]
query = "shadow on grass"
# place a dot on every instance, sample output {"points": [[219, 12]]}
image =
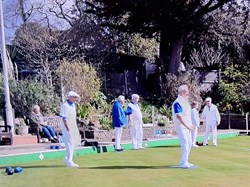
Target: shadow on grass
{"points": [[38, 166], [129, 167], [166, 146]]}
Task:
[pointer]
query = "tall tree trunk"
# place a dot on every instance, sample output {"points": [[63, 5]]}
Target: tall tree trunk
{"points": [[171, 48]]}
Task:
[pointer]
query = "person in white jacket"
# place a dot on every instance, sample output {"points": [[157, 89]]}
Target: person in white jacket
{"points": [[212, 119], [195, 121], [135, 122]]}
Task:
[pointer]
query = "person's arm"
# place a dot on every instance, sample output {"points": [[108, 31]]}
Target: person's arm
{"points": [[197, 118], [33, 120], [203, 115], [120, 111], [217, 114], [64, 116], [130, 112], [178, 116], [65, 124]]}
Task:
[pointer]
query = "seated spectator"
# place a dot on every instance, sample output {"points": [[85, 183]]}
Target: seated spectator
{"points": [[37, 121]]}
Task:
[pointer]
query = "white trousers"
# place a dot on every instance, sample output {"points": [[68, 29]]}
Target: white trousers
{"points": [[194, 135], [136, 136], [213, 128], [184, 136], [69, 146], [118, 137]]}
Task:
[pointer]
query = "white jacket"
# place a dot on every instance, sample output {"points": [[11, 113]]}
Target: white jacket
{"points": [[136, 116], [211, 115]]}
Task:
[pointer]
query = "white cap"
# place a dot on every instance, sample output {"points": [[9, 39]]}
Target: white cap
{"points": [[73, 94]]}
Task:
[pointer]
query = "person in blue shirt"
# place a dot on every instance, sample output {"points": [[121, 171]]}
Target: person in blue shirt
{"points": [[119, 120], [181, 113]]}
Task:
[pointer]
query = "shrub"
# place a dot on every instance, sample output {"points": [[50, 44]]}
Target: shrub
{"points": [[105, 123], [231, 93], [79, 77], [25, 93]]}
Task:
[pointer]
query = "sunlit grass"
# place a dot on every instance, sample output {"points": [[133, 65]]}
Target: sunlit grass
{"points": [[225, 165]]}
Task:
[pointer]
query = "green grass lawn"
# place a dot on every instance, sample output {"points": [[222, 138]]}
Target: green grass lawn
{"points": [[226, 165]]}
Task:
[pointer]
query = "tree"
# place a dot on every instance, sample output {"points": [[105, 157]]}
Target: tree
{"points": [[172, 21], [224, 31], [42, 48], [36, 44]]}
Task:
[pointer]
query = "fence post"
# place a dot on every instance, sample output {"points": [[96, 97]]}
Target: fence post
{"points": [[153, 119], [229, 120], [247, 122]]}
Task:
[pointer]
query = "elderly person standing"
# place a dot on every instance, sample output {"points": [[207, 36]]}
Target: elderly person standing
{"points": [[135, 122], [118, 121], [69, 128], [212, 119], [181, 113]]}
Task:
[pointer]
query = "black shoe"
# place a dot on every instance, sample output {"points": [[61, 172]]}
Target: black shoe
{"points": [[119, 150], [54, 141]]}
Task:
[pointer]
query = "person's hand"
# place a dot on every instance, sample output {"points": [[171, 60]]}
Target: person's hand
{"points": [[191, 128]]}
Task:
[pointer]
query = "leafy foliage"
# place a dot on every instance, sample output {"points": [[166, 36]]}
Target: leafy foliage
{"points": [[24, 94], [170, 21], [80, 77], [170, 88], [105, 123], [231, 92]]}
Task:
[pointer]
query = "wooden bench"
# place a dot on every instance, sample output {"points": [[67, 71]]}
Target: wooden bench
{"points": [[52, 121], [5, 132]]}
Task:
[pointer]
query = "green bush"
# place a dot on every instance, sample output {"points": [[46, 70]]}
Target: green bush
{"points": [[25, 93], [232, 92], [105, 123], [83, 110], [79, 77]]}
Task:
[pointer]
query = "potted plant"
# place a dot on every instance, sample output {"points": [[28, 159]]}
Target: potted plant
{"points": [[21, 127], [162, 120]]}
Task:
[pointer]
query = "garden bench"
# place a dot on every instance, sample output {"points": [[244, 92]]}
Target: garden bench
{"points": [[52, 121]]}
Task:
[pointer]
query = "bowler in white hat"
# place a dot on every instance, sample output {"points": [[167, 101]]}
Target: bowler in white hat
{"points": [[73, 94], [69, 128]]}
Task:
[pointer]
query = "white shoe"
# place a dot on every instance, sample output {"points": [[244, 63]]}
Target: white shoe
{"points": [[72, 165], [215, 144], [190, 164], [185, 166], [195, 146]]}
